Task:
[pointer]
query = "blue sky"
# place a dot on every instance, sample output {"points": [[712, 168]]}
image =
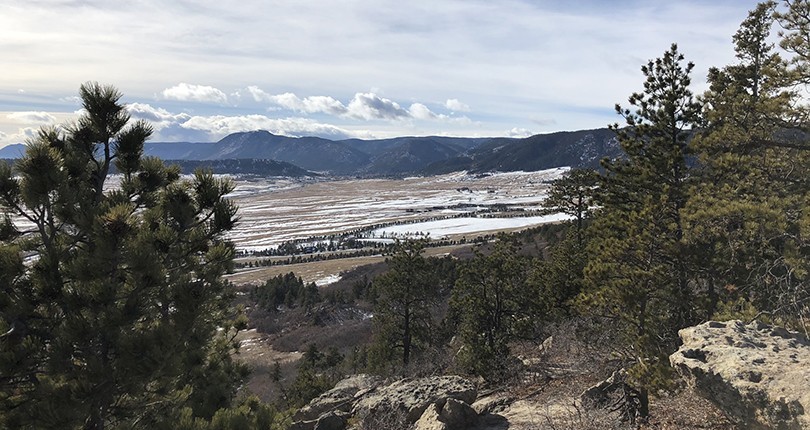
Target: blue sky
{"points": [[200, 70]]}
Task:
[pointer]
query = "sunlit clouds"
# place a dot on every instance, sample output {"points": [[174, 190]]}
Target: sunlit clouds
{"points": [[349, 69], [194, 93]]}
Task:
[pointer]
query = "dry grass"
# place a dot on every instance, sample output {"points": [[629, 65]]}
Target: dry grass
{"points": [[259, 355], [548, 397], [309, 272], [316, 270]]}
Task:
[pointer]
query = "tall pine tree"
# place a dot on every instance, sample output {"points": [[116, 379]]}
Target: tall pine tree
{"points": [[746, 210], [406, 294], [112, 295], [637, 274]]}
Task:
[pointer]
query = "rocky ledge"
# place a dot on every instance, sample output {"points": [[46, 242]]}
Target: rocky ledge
{"points": [[361, 401], [758, 374]]}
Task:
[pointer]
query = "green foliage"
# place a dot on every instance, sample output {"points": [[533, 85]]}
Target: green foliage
{"points": [[405, 295], [559, 279], [250, 414], [745, 212], [494, 307], [287, 290], [638, 272], [317, 373], [119, 315], [573, 195]]}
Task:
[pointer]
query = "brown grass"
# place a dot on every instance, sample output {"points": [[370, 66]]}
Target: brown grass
{"points": [[313, 271]]}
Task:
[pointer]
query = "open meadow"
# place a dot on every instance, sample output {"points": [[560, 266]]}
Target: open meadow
{"points": [[452, 206]]}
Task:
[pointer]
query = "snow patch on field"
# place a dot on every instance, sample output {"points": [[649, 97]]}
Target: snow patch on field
{"points": [[328, 280], [447, 227]]}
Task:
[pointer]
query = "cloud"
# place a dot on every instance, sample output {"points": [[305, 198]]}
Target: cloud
{"points": [[370, 106], [195, 93], [312, 104], [519, 132], [76, 100], [220, 125], [456, 106], [420, 111], [258, 94], [36, 118], [159, 118], [22, 135], [363, 106]]}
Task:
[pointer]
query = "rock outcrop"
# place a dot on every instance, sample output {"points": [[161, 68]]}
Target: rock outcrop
{"points": [[340, 398], [758, 374], [411, 397], [440, 403]]}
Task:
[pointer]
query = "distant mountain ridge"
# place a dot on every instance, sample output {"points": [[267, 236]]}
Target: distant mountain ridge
{"points": [[396, 156]]}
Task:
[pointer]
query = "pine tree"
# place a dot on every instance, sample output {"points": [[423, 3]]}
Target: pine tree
{"points": [[573, 195], [405, 297], [745, 213], [638, 274], [492, 303], [112, 295]]}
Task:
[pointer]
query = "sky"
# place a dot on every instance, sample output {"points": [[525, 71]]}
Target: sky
{"points": [[199, 70]]}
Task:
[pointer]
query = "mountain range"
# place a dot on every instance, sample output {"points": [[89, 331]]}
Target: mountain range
{"points": [[392, 157]]}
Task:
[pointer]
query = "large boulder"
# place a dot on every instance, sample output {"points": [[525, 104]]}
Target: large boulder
{"points": [[409, 398], [757, 373], [340, 398]]}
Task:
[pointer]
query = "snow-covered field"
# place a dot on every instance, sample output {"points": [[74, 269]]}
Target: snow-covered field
{"points": [[440, 229], [276, 211]]}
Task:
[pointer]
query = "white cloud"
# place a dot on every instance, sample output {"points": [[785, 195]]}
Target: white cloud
{"points": [[21, 135], [196, 93], [312, 104], [456, 106], [258, 94], [363, 106], [420, 111], [519, 132], [159, 118], [419, 51], [370, 106], [76, 100], [324, 104], [36, 118], [220, 126]]}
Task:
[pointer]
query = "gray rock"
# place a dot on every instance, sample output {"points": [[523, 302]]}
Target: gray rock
{"points": [[303, 425], [454, 415], [411, 397], [457, 415], [331, 421], [430, 420], [340, 398], [492, 404], [758, 374]]}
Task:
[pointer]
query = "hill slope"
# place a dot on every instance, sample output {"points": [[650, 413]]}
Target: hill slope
{"points": [[397, 156]]}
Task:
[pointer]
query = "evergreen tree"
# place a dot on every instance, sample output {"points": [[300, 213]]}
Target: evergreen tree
{"points": [[638, 274], [745, 213], [573, 195], [111, 295], [405, 297], [493, 305]]}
